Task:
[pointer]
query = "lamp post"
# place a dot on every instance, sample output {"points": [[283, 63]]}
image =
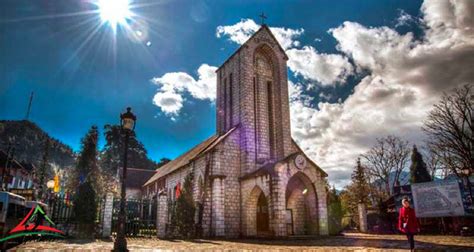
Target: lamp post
{"points": [[127, 124]]}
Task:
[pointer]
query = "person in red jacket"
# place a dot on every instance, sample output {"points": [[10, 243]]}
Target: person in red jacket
{"points": [[408, 223]]}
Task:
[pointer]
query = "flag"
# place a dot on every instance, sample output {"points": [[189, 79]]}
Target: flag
{"points": [[56, 183], [178, 190]]}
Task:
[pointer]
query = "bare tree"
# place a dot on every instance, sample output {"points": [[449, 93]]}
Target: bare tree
{"points": [[385, 160], [433, 163], [450, 127]]}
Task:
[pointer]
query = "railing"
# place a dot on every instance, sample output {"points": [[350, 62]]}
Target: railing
{"points": [[141, 218]]}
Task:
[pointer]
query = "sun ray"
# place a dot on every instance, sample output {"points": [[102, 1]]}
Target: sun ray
{"points": [[43, 17], [83, 43], [89, 38]]}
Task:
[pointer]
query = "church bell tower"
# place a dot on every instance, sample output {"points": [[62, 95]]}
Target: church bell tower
{"points": [[252, 95]]}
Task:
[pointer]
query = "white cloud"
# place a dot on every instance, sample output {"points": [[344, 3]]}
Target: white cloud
{"points": [[403, 19], [450, 22], [406, 76], [327, 69], [241, 32], [169, 102], [173, 85]]}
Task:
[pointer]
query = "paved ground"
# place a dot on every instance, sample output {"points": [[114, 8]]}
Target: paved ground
{"points": [[348, 242]]}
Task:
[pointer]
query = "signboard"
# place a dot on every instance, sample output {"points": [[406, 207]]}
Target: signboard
{"points": [[437, 199], [27, 193]]}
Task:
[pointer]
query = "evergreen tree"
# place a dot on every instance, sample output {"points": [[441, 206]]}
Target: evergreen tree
{"points": [[163, 161], [335, 212], [111, 156], [43, 169], [184, 210], [85, 205], [87, 181], [418, 171], [360, 185]]}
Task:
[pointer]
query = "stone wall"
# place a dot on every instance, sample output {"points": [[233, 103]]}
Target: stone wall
{"points": [[229, 167], [162, 215], [107, 215]]}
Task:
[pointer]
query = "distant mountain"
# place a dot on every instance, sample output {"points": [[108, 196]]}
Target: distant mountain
{"points": [[29, 141]]}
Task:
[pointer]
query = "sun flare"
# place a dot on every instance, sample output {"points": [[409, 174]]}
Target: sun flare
{"points": [[114, 11]]}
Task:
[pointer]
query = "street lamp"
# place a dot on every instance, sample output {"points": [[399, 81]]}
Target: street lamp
{"points": [[127, 124]]}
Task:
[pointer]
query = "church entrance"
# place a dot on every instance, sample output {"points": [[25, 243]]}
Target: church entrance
{"points": [[262, 215], [301, 205]]}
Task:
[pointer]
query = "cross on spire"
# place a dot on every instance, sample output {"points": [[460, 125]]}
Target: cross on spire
{"points": [[262, 17]]}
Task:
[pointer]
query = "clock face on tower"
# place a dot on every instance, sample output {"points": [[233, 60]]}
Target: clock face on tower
{"points": [[300, 161]]}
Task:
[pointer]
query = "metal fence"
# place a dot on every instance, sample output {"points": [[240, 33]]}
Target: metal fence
{"points": [[61, 212], [141, 217]]}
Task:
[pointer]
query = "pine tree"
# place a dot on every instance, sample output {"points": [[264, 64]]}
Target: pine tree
{"points": [[360, 184], [335, 212], [185, 209], [87, 179], [418, 171], [111, 156]]}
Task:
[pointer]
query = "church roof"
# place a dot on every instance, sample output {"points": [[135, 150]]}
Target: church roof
{"points": [[268, 168], [136, 177], [263, 27], [188, 156]]}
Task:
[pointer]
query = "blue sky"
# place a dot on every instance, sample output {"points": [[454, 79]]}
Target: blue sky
{"points": [[79, 80]]}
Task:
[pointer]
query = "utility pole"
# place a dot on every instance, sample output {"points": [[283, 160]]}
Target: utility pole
{"points": [[29, 106]]}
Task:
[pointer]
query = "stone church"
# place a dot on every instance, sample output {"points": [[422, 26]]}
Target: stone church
{"points": [[250, 178]]}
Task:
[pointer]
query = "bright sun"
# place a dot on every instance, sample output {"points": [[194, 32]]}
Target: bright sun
{"points": [[114, 11]]}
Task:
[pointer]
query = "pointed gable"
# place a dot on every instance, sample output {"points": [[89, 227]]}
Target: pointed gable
{"points": [[264, 34]]}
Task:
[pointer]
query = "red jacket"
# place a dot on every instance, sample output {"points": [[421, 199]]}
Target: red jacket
{"points": [[407, 215]]}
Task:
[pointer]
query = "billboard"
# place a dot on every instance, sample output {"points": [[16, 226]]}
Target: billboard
{"points": [[437, 199]]}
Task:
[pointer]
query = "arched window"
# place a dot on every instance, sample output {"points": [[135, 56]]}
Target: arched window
{"points": [[264, 80]]}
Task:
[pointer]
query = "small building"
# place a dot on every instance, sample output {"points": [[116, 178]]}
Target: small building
{"points": [[135, 179], [17, 175]]}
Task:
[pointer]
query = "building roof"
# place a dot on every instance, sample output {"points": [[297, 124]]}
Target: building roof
{"points": [[189, 156], [136, 177], [28, 166], [267, 169]]}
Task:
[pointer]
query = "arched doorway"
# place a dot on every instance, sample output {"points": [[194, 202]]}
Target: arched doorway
{"points": [[262, 215], [256, 219], [301, 206]]}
